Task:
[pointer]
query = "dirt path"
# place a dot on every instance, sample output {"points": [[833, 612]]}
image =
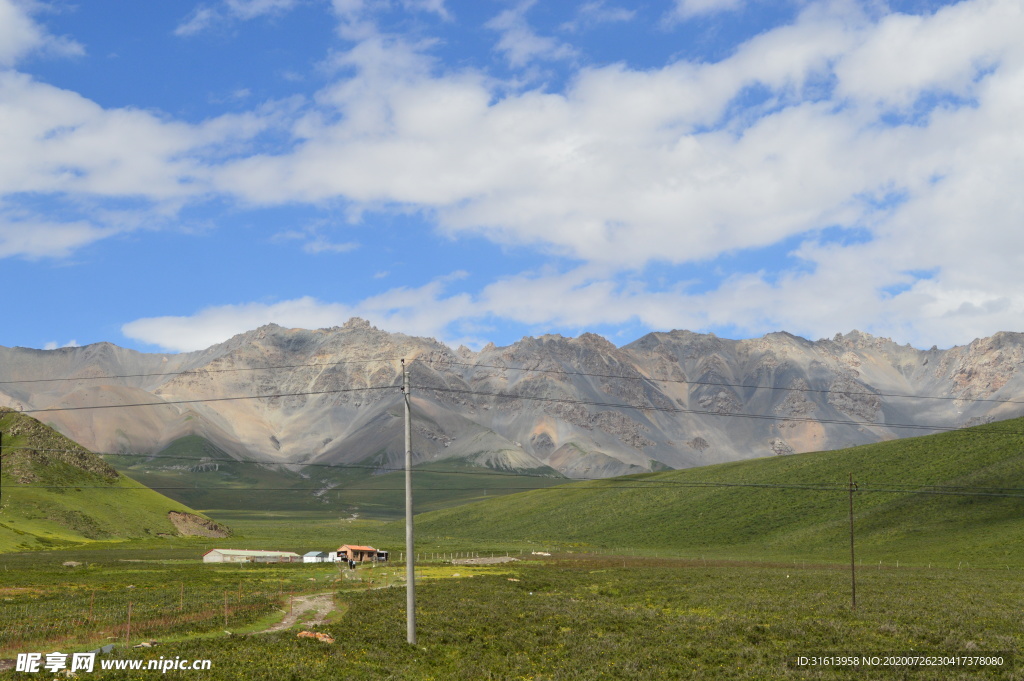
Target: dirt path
{"points": [[317, 605]]}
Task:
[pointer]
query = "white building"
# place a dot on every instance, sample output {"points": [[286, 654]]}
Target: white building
{"points": [[246, 556]]}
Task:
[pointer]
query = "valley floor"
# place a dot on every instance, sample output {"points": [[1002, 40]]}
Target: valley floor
{"points": [[568, 616]]}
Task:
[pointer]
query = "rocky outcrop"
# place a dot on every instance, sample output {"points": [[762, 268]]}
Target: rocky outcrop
{"points": [[34, 453], [192, 525]]}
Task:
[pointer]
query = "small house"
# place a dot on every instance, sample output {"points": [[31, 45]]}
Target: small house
{"points": [[359, 554], [315, 557]]}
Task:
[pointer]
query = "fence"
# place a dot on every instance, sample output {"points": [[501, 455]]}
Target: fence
{"points": [[130, 614]]}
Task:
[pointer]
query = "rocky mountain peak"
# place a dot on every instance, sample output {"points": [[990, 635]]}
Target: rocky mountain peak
{"points": [[596, 342], [358, 323]]}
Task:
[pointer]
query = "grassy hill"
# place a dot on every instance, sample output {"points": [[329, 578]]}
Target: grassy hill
{"points": [[57, 493], [196, 472], [907, 507]]}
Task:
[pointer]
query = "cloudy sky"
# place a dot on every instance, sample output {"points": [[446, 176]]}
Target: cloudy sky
{"points": [[173, 173]]}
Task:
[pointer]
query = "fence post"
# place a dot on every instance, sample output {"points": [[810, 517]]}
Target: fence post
{"points": [[128, 634]]}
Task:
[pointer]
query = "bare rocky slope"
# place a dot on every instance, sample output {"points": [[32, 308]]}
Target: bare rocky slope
{"points": [[331, 396]]}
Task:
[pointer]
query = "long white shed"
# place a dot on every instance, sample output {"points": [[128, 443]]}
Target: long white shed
{"points": [[250, 556]]}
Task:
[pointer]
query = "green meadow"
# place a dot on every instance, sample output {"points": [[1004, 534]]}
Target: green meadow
{"points": [[57, 494], [224, 483], [724, 572], [571, 616], [951, 499]]}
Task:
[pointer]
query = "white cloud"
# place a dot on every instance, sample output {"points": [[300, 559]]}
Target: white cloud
{"points": [[789, 135], [314, 241], [423, 311], [687, 9], [205, 17], [216, 324], [905, 127], [433, 6], [520, 43], [597, 12], [199, 20], [321, 245], [54, 140], [31, 236], [939, 53], [250, 9], [607, 171], [20, 35], [57, 144], [53, 345]]}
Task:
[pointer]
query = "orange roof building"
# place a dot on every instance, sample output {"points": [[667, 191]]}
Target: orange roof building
{"points": [[356, 553]]}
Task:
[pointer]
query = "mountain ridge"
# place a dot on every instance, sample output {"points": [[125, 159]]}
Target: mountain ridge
{"points": [[581, 406]]}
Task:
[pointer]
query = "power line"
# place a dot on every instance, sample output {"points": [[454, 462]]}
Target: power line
{"points": [[725, 385], [936, 489], [703, 412], [206, 399], [198, 371], [209, 460], [829, 487], [428, 360], [592, 403]]}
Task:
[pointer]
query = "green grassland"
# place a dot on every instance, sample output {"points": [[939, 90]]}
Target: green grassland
{"points": [[173, 594], [55, 493], [771, 514], [43, 518], [723, 572], [601, 618], [235, 485]]}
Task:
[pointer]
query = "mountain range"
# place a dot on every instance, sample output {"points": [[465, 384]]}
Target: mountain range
{"points": [[574, 407]]}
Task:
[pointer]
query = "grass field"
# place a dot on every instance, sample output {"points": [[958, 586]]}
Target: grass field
{"points": [[948, 499], [56, 493], [587, 617], [233, 485], [724, 572]]}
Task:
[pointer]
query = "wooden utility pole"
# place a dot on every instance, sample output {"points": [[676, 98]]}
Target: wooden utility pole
{"points": [[410, 566], [853, 573]]}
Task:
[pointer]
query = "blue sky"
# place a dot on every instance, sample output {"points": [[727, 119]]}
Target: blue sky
{"points": [[174, 173]]}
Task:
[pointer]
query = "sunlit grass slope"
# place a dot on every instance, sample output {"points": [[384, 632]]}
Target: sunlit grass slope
{"points": [[56, 493], [769, 514]]}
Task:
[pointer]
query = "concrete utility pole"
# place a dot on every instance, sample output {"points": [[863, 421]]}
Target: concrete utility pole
{"points": [[853, 575], [410, 567]]}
